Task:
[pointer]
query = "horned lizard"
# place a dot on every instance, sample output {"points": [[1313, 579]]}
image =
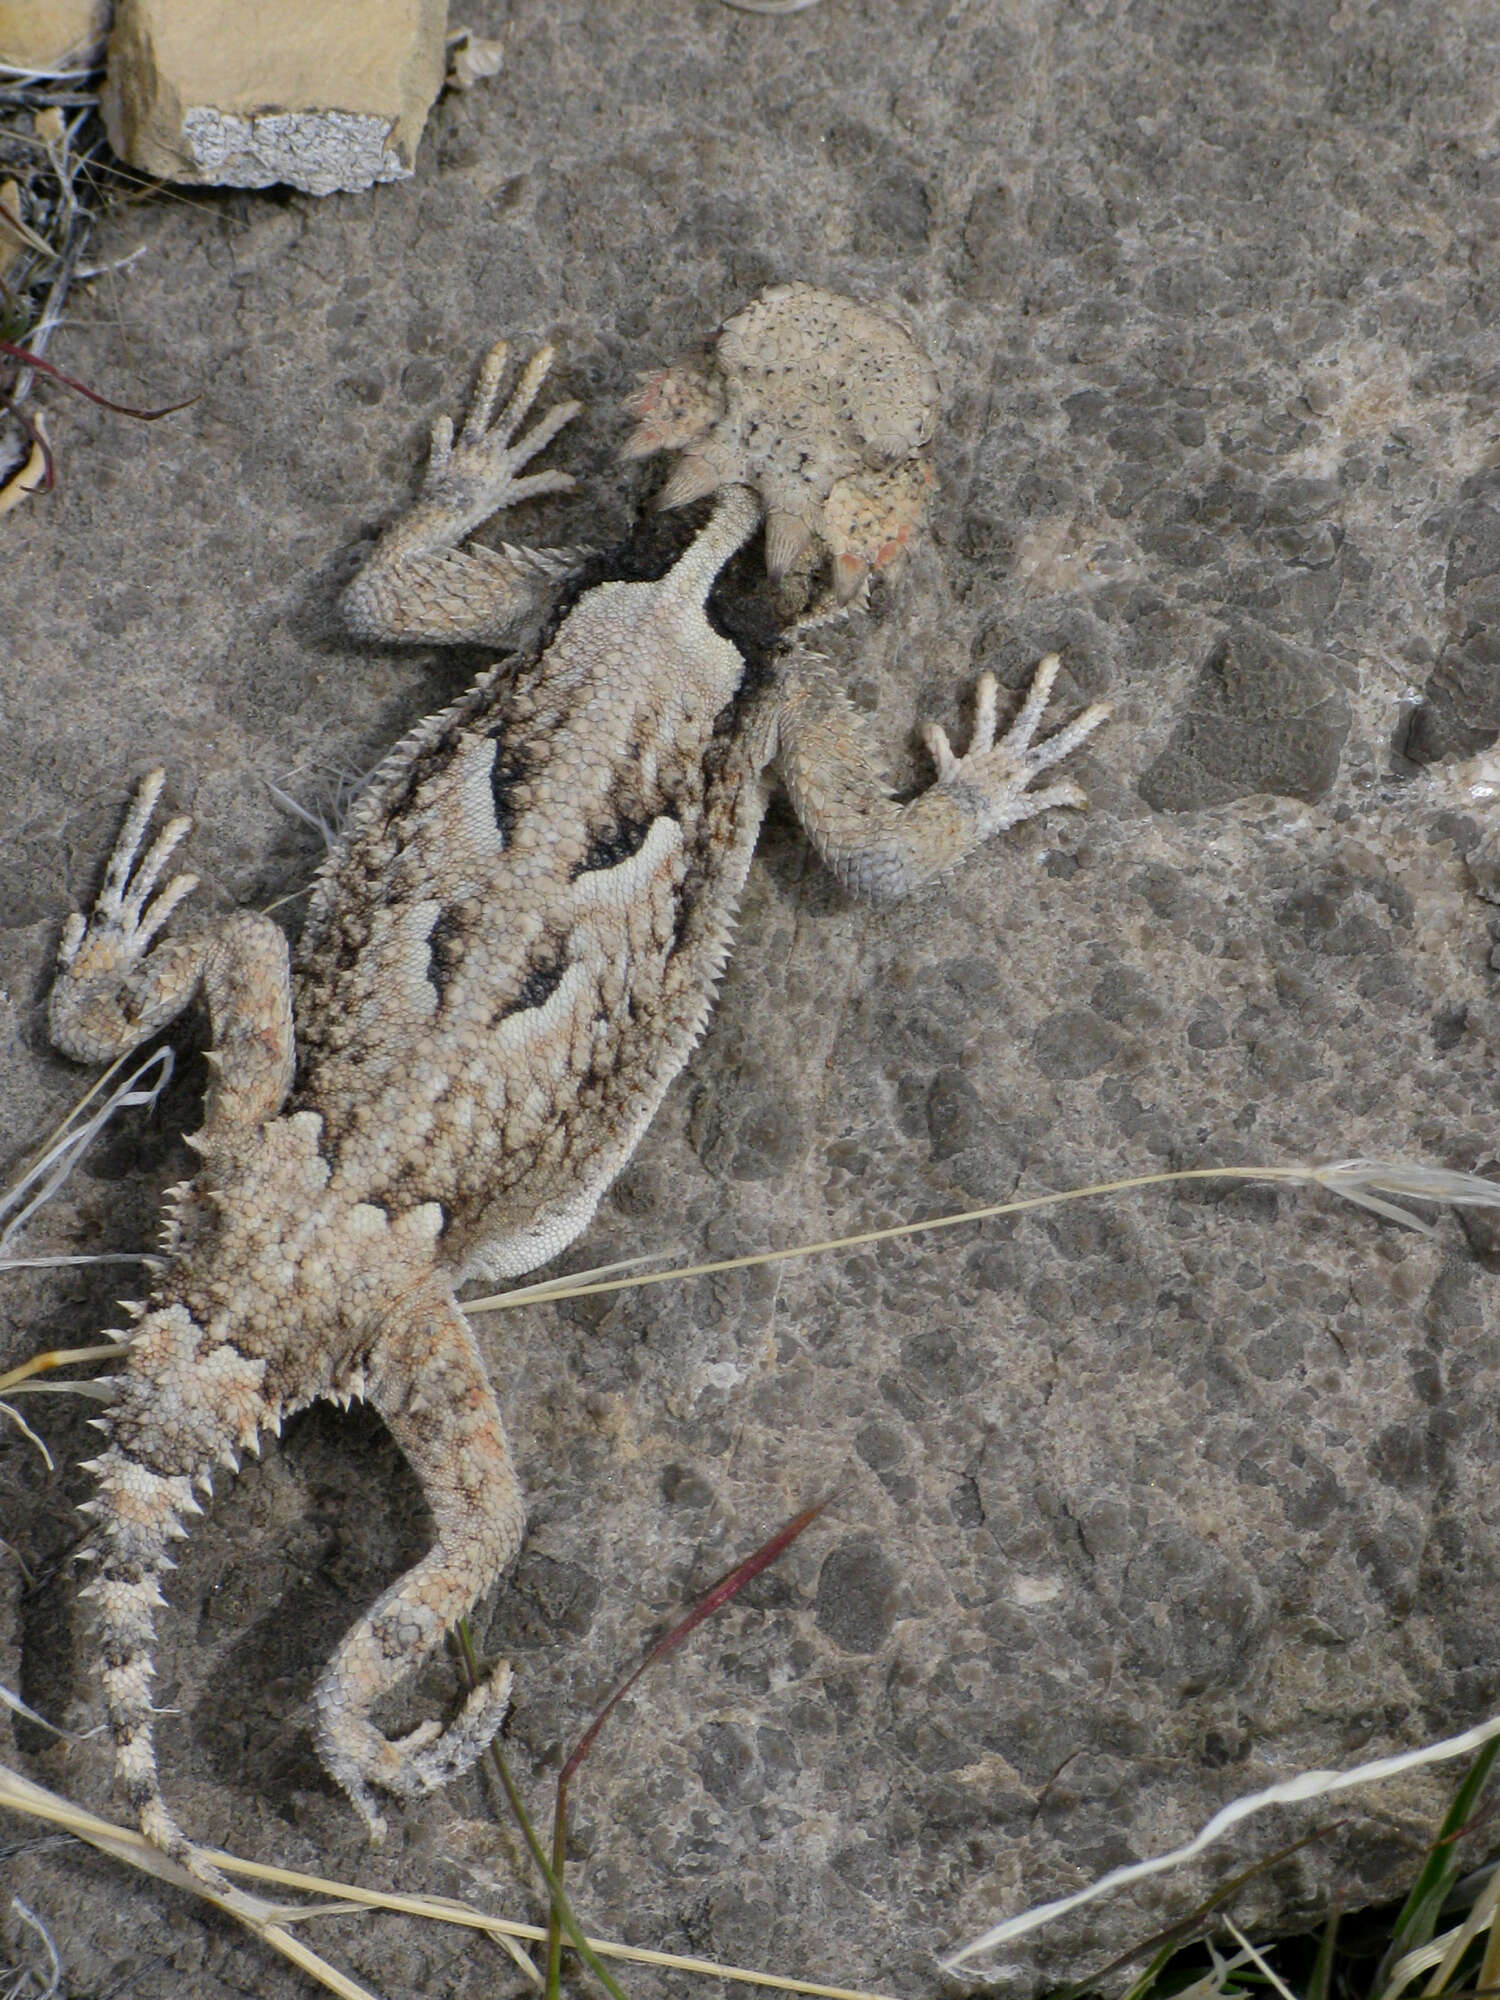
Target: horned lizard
{"points": [[511, 950]]}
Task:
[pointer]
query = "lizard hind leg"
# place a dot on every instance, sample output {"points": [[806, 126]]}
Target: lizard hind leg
{"points": [[427, 1380]]}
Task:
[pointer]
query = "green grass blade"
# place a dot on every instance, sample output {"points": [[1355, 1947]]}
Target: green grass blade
{"points": [[1147, 1981], [528, 1833], [1321, 1979], [1418, 1921]]}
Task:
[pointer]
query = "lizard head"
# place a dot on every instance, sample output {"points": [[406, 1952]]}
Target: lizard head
{"points": [[823, 407]]}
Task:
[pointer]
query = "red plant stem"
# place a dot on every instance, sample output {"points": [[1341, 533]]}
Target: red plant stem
{"points": [[727, 1587], [30, 360]]}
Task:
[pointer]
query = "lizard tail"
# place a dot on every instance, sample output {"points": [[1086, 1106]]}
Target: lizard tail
{"points": [[184, 1404], [139, 1514]]}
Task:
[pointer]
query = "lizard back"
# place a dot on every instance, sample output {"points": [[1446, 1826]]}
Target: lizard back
{"points": [[515, 945]]}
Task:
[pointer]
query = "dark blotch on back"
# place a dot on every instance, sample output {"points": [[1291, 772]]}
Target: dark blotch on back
{"points": [[446, 943], [615, 840], [512, 767], [537, 988]]}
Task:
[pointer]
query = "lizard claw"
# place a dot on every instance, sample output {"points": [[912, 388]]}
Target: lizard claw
{"points": [[126, 915]]}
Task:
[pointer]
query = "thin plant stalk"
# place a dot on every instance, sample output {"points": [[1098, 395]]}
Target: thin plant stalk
{"points": [[1352, 1180], [1320, 1981], [559, 1906], [713, 1600]]}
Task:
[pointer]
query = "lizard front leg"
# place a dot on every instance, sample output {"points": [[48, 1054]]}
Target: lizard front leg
{"points": [[116, 987], [420, 584], [885, 850]]}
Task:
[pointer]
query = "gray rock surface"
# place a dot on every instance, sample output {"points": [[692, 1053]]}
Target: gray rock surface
{"points": [[1138, 1505]]}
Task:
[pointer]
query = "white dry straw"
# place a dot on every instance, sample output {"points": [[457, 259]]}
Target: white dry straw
{"points": [[1291, 1791], [72, 1139]]}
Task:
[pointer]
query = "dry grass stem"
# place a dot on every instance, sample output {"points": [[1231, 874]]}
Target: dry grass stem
{"points": [[35, 1986], [1219, 1973], [1444, 1952], [9, 1411], [336, 790], [30, 476], [66, 1144], [20, 1795], [18, 1707], [1479, 1920], [1363, 1182], [1489, 1969], [1291, 1791], [1272, 1977], [58, 1357]]}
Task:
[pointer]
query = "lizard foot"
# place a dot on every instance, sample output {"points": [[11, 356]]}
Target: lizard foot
{"points": [[995, 777], [477, 476], [421, 583], [363, 1760], [112, 989]]}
